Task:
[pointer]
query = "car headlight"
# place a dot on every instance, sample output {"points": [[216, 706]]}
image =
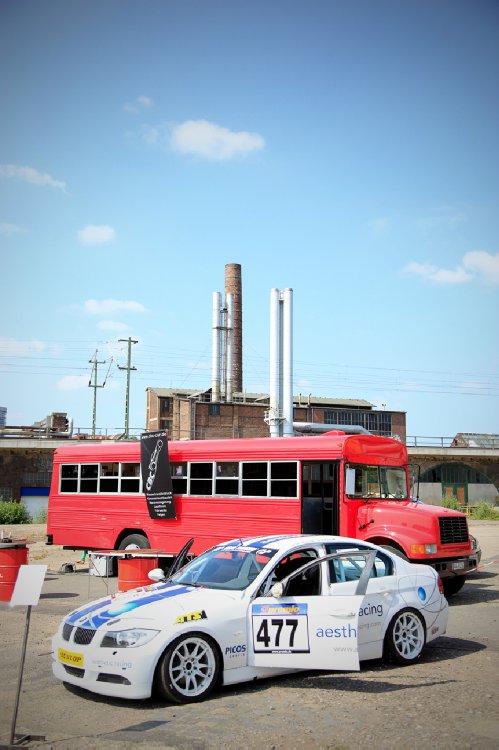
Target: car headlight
{"points": [[128, 638]]}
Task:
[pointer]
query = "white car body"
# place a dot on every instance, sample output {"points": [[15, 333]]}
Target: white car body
{"points": [[250, 632]]}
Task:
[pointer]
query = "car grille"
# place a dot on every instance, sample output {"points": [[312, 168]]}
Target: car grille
{"points": [[82, 636], [453, 530], [66, 631]]}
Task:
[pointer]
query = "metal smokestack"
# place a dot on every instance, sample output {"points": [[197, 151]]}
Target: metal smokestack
{"points": [[233, 285], [215, 354], [280, 414]]}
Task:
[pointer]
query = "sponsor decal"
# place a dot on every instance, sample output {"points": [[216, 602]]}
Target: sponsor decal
{"points": [[70, 657], [371, 609], [346, 631], [279, 609], [100, 663], [238, 650], [191, 617], [435, 629], [422, 593], [108, 609]]}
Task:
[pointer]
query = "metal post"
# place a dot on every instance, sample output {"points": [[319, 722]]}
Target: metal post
{"points": [[20, 675], [128, 368], [95, 362]]}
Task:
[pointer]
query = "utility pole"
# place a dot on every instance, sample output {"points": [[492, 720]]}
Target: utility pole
{"points": [[128, 368], [95, 363]]}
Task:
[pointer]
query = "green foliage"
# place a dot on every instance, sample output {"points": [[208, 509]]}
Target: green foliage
{"points": [[12, 513], [484, 511], [450, 502]]}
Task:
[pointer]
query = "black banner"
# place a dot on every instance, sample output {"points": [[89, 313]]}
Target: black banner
{"points": [[156, 476]]}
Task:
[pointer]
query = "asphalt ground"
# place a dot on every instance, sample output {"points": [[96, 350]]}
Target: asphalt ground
{"points": [[448, 700]]}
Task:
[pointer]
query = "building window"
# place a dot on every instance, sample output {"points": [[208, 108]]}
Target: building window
{"points": [[213, 410]]}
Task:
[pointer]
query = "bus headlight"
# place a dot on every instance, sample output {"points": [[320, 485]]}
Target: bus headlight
{"points": [[423, 549], [128, 638]]}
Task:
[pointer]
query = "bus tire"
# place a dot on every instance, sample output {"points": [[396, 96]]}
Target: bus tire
{"points": [[405, 637], [189, 669], [135, 541], [453, 585], [395, 551]]}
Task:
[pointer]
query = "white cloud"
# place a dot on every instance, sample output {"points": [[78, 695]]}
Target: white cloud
{"points": [[72, 382], [438, 275], [33, 176], [111, 325], [14, 348], [212, 141], [96, 235], [112, 306], [141, 102], [476, 264], [483, 264], [8, 229]]}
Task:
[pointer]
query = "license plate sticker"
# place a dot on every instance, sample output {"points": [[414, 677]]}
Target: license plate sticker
{"points": [[70, 657], [458, 565]]}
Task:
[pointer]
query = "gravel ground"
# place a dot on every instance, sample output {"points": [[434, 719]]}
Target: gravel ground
{"points": [[448, 700]]}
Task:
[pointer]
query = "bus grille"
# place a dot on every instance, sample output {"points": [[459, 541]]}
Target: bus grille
{"points": [[453, 530], [83, 636]]}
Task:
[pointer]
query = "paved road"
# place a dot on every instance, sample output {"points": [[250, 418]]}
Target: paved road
{"points": [[448, 700]]}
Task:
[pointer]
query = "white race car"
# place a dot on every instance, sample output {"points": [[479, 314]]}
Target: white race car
{"points": [[252, 608]]}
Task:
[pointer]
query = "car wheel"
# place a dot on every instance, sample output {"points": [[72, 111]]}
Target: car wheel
{"points": [[135, 541], [405, 637], [189, 669], [453, 585]]}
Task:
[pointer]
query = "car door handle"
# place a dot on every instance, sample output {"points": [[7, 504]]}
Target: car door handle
{"points": [[342, 613]]}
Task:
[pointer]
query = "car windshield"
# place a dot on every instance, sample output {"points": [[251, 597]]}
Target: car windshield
{"points": [[232, 566]]}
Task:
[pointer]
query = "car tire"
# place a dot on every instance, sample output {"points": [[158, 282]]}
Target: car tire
{"points": [[405, 637], [453, 585], [189, 669], [135, 541]]}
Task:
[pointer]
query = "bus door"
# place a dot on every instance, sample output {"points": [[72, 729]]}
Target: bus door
{"points": [[320, 502]]}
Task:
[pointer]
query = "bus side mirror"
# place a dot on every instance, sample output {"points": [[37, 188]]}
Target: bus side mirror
{"points": [[156, 575]]}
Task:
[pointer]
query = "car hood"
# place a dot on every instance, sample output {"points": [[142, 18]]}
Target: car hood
{"points": [[163, 602]]}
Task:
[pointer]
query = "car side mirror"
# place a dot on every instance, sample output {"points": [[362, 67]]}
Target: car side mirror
{"points": [[156, 575], [277, 590]]}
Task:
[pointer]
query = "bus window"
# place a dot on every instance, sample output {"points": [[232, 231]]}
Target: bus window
{"points": [[179, 477], [69, 478], [109, 477], [283, 479], [227, 480], [201, 478], [254, 479], [88, 477], [130, 478]]}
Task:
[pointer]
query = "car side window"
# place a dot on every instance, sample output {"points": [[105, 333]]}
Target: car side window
{"points": [[306, 584], [349, 566]]}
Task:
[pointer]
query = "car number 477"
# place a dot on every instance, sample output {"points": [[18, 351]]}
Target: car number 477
{"points": [[280, 634]]}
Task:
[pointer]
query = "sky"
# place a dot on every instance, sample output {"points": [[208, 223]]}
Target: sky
{"points": [[347, 149]]}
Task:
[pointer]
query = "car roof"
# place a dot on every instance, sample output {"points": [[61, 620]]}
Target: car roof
{"points": [[284, 542]]}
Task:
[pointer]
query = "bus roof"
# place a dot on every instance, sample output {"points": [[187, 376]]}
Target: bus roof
{"points": [[354, 448]]}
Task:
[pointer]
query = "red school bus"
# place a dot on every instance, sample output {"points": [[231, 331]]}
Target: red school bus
{"points": [[350, 485]]}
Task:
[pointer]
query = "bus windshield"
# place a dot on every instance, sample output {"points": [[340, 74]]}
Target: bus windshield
{"points": [[232, 566], [373, 482]]}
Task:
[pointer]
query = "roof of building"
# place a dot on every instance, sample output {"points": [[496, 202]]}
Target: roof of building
{"points": [[250, 397], [476, 440]]}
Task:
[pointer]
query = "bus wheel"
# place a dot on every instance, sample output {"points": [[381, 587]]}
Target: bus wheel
{"points": [[135, 541], [405, 637], [453, 585], [189, 669], [395, 551]]}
